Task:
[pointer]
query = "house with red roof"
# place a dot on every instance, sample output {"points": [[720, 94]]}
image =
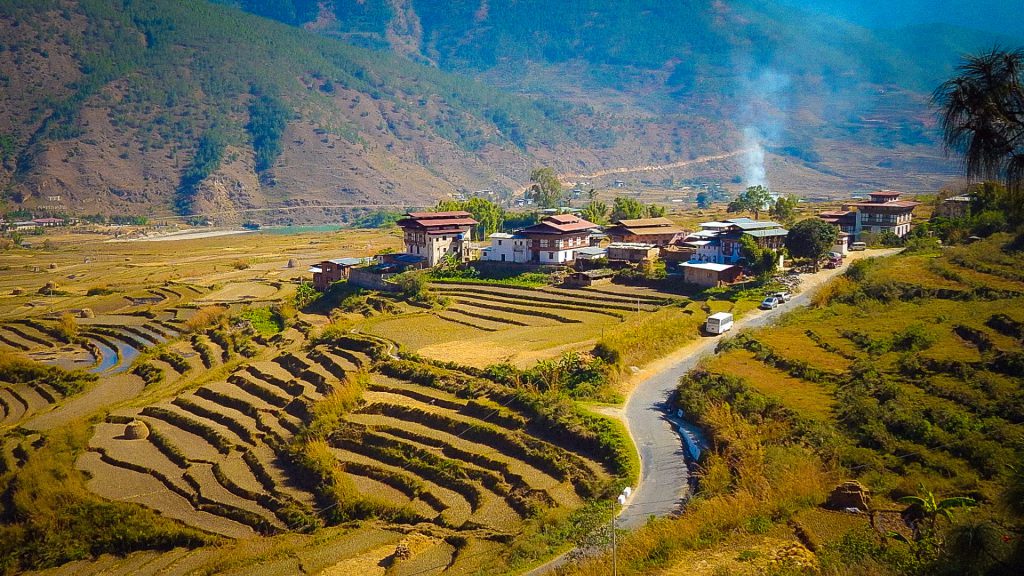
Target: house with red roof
{"points": [[434, 235], [555, 239], [886, 212]]}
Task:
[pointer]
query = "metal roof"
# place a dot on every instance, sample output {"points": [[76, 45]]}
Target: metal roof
{"points": [[348, 261], [707, 266], [767, 233]]}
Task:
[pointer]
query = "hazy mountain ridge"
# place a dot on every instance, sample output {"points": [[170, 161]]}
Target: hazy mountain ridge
{"points": [[104, 102]]}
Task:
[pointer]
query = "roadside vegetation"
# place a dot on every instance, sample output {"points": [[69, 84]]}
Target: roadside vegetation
{"points": [[905, 377]]}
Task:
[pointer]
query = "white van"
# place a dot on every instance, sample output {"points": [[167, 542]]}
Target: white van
{"points": [[858, 246], [719, 323]]}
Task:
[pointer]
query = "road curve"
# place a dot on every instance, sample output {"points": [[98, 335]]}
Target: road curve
{"points": [[661, 438]]}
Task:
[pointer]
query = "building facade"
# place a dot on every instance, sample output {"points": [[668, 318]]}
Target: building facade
{"points": [[657, 231], [508, 248], [555, 239], [885, 212], [434, 235], [330, 271], [720, 242]]}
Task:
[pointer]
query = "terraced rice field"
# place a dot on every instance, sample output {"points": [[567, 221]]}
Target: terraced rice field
{"points": [[485, 324], [217, 457]]}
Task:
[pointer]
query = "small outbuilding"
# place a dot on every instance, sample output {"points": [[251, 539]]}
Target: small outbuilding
{"points": [[709, 274], [632, 252], [590, 278], [330, 271]]}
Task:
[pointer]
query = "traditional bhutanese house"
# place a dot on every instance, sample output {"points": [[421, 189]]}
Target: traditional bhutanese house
{"points": [[885, 212], [955, 206], [590, 277], [330, 271], [658, 231], [555, 239], [719, 242], [632, 252], [508, 248], [709, 274], [434, 235], [676, 255], [847, 221]]}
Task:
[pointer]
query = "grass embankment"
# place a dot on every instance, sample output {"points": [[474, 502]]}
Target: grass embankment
{"points": [[909, 382]]}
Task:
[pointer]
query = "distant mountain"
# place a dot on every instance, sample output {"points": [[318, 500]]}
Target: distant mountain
{"points": [[163, 106]]}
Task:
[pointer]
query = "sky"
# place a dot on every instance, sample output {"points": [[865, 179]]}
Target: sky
{"points": [[999, 16]]}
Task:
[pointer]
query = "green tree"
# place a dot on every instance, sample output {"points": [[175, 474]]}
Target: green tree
{"points": [[595, 211], [982, 109], [655, 211], [305, 295], [784, 209], [546, 189], [811, 238], [627, 209], [268, 118], [753, 199], [490, 216], [761, 261], [703, 200]]}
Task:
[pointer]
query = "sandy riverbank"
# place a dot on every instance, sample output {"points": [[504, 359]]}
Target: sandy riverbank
{"points": [[183, 235]]}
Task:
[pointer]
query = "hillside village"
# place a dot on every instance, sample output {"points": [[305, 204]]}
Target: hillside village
{"points": [[710, 256]]}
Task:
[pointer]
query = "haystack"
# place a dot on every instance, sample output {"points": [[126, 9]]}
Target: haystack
{"points": [[136, 430]]}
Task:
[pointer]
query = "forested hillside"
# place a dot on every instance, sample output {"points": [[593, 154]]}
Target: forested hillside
{"points": [[160, 107], [154, 105]]}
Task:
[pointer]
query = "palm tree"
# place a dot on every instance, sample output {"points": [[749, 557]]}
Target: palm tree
{"points": [[983, 115]]}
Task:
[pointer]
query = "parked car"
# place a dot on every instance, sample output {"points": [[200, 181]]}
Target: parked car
{"points": [[782, 296], [833, 264], [858, 246], [769, 303]]}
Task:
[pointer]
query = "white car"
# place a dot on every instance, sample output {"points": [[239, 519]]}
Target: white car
{"points": [[769, 303], [782, 296]]}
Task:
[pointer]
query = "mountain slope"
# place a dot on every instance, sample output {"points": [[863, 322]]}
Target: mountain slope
{"points": [[157, 106], [107, 107]]}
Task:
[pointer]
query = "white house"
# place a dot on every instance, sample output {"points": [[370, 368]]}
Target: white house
{"points": [[507, 248]]}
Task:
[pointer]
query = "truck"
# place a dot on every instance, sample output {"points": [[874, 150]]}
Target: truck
{"points": [[718, 323]]}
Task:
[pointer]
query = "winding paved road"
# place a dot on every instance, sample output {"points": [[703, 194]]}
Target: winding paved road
{"points": [[661, 438]]}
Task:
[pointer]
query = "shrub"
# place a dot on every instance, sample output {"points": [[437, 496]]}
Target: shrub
{"points": [[204, 318]]}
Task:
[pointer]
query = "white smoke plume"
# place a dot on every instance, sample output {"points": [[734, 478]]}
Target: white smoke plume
{"points": [[753, 158], [762, 118]]}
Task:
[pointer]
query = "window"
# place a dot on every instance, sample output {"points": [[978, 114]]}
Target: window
{"points": [[499, 242], [551, 255], [544, 243]]}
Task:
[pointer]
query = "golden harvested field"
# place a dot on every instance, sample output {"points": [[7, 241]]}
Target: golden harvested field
{"points": [[806, 398]]}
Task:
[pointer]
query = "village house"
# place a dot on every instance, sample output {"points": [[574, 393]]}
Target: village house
{"points": [[847, 221], [719, 242], [508, 248], [955, 207], [434, 235], [555, 239], [632, 252], [330, 271], [709, 274], [657, 231], [885, 212]]}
